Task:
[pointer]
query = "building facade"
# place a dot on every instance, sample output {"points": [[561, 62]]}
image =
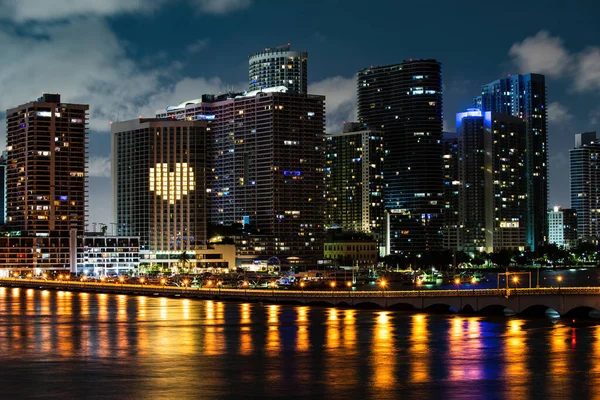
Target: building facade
{"points": [[46, 180], [562, 227], [108, 255], [354, 181], [492, 190], [524, 96], [585, 184], [266, 166], [404, 102], [159, 182], [451, 159], [279, 66]]}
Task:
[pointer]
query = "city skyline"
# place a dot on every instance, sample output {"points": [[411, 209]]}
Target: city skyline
{"points": [[98, 56]]}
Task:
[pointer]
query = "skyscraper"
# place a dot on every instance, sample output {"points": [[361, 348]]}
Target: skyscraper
{"points": [[452, 186], [493, 190], [354, 181], [279, 66], [562, 227], [585, 184], [159, 182], [524, 96], [46, 181], [404, 102], [266, 167]]}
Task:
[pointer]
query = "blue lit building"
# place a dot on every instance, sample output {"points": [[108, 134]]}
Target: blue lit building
{"points": [[404, 102], [492, 182], [524, 96]]}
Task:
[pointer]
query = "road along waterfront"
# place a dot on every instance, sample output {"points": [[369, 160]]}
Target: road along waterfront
{"points": [[562, 300]]}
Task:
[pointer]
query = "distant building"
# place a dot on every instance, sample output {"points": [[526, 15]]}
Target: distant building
{"points": [[159, 182], [279, 66], [585, 184], [562, 227], [46, 182], [350, 249], [108, 255], [451, 159], [46, 186], [524, 96], [493, 191], [354, 181], [3, 189], [404, 102], [266, 169]]}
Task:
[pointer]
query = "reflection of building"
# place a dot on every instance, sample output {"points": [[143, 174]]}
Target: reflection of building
{"points": [[524, 96], [279, 66], [354, 181], [404, 102], [158, 177], [562, 227], [585, 184], [492, 190], [265, 167], [348, 249], [106, 255]]}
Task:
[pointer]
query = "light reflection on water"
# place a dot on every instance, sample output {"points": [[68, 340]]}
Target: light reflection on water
{"points": [[63, 344]]}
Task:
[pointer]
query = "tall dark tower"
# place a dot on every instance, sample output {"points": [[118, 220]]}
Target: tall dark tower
{"points": [[404, 102], [524, 96]]}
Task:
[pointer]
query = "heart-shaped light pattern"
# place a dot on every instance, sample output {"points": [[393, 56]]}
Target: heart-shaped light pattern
{"points": [[172, 185]]}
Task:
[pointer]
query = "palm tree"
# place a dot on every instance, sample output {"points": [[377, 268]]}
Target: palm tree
{"points": [[184, 258]]}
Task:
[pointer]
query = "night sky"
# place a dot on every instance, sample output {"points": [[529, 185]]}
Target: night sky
{"points": [[132, 57]]}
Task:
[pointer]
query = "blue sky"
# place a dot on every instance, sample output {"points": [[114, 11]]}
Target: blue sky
{"points": [[131, 57]]}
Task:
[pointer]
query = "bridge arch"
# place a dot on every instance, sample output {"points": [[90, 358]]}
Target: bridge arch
{"points": [[540, 310], [440, 308], [582, 312], [467, 309], [497, 310], [367, 305]]}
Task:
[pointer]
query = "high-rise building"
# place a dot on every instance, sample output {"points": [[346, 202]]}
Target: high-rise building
{"points": [[266, 167], [354, 181], [493, 192], [404, 102], [585, 184], [562, 227], [3, 189], [452, 186], [159, 182], [524, 96], [279, 66], [46, 181]]}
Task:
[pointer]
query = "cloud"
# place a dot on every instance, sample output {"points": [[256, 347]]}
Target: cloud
{"points": [[36, 10], [221, 6], [558, 114], [587, 76], [340, 100], [197, 46], [559, 160], [546, 54], [50, 10], [541, 54], [595, 116], [99, 167]]}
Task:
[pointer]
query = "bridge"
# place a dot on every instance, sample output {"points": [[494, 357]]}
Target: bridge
{"points": [[525, 301]]}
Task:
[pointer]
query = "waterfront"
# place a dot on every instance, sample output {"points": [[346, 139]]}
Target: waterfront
{"points": [[74, 345]]}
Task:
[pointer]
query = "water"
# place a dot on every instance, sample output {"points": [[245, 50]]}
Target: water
{"points": [[82, 345]]}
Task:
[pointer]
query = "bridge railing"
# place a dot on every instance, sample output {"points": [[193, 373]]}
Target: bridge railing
{"points": [[291, 293]]}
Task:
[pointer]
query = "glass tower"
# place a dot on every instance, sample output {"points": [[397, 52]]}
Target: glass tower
{"points": [[278, 66], [404, 102], [524, 96]]}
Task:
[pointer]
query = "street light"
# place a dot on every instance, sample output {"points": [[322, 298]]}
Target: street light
{"points": [[383, 285], [142, 280], [349, 284], [272, 288], [559, 279], [457, 282], [163, 281], [516, 282]]}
